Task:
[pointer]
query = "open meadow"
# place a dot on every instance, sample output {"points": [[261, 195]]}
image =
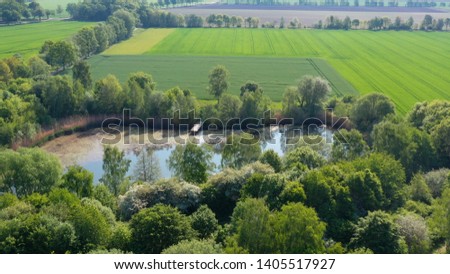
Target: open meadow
{"points": [[191, 72], [407, 66], [27, 39]]}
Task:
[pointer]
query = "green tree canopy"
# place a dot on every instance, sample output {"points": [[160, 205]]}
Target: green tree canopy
{"points": [[192, 163], [115, 167], [370, 109], [28, 170], [155, 229], [218, 81], [378, 232]]}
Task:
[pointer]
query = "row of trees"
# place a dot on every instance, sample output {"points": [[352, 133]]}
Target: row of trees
{"points": [[15, 10], [385, 23], [336, 3]]}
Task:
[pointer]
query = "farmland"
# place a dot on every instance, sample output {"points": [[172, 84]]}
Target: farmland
{"points": [[407, 66], [140, 42], [191, 72], [27, 39]]}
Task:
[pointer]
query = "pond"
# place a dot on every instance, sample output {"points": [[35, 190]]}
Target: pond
{"points": [[86, 148]]}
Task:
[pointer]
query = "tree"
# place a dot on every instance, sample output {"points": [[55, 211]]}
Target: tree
{"points": [[267, 187], [271, 158], [370, 110], [419, 190], [194, 247], [347, 23], [250, 222], [59, 9], [154, 229], [91, 227], [240, 150], [181, 195], [128, 19], [39, 69], [36, 234], [303, 158], [204, 222], [81, 71], [412, 147], [378, 232], [86, 42], [348, 145], [298, 230], [115, 167], [79, 181], [437, 181], [109, 95], [366, 191], [61, 53], [389, 171], [223, 189], [120, 237], [147, 168], [5, 72], [58, 96], [218, 81], [441, 141], [191, 162], [140, 86], [312, 91], [101, 35], [413, 229], [427, 23], [28, 170], [254, 105], [250, 86], [229, 108]]}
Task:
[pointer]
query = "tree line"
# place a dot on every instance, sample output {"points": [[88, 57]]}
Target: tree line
{"points": [[336, 3], [13, 11]]}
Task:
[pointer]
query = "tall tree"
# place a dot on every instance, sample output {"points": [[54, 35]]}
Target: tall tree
{"points": [[61, 53], [156, 228], [109, 95], [371, 109], [79, 181], [378, 232], [312, 92], [81, 71], [192, 163], [147, 167], [115, 168], [28, 170], [218, 81], [86, 42]]}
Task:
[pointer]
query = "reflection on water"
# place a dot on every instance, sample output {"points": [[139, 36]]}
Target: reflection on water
{"points": [[86, 149]]}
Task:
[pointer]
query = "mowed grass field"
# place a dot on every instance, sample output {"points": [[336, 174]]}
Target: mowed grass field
{"points": [[407, 66], [27, 39], [140, 42], [191, 72]]}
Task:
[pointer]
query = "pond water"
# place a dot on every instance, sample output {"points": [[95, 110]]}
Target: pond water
{"points": [[86, 148]]}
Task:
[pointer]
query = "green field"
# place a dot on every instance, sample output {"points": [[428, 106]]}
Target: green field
{"points": [[140, 42], [27, 39], [407, 66], [191, 72]]}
